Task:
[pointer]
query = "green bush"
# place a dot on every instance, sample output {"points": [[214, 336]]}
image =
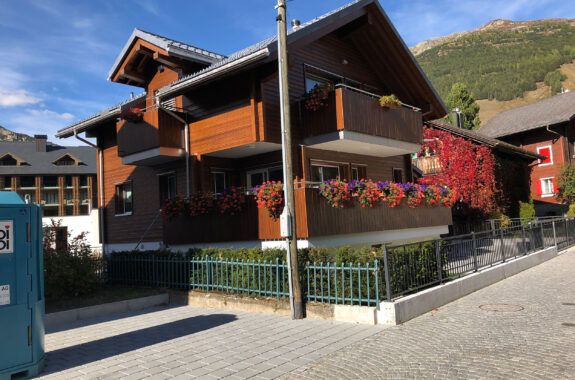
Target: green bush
{"points": [[69, 272], [571, 211], [526, 211]]}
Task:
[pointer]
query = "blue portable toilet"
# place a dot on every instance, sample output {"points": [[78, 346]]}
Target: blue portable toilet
{"points": [[21, 288]]}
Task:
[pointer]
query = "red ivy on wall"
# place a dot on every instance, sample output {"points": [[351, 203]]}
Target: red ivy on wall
{"points": [[468, 169]]}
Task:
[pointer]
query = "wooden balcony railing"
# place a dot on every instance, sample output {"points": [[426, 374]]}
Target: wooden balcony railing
{"points": [[356, 111], [315, 217], [428, 165]]}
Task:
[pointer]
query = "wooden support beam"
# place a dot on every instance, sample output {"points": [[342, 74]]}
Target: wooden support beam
{"points": [[133, 76], [167, 60]]}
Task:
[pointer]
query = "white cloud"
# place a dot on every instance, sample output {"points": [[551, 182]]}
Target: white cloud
{"points": [[85, 23], [13, 98], [47, 114]]}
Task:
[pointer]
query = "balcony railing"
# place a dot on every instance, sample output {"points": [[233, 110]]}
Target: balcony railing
{"points": [[315, 217], [354, 110], [428, 165]]}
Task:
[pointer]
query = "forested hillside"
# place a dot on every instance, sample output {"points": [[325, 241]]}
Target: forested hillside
{"points": [[502, 59]]}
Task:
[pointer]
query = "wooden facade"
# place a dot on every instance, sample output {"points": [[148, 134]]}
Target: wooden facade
{"points": [[233, 124]]}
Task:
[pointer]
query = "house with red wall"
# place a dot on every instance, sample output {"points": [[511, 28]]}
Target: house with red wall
{"points": [[547, 128], [208, 122]]}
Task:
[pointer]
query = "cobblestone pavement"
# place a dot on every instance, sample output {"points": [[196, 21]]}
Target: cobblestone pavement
{"points": [[520, 328], [188, 342]]}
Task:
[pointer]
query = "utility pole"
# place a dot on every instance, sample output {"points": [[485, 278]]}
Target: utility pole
{"points": [[287, 219]]}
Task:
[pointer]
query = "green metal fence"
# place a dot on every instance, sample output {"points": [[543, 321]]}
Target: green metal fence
{"points": [[347, 284]]}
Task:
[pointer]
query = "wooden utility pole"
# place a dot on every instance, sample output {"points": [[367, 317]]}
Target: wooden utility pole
{"points": [[288, 216]]}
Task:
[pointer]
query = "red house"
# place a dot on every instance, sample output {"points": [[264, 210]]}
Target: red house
{"points": [[545, 127], [207, 122]]}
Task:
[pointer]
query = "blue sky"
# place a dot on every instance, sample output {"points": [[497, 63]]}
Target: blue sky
{"points": [[56, 54]]}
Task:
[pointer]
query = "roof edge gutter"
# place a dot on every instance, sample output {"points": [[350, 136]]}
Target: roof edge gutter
{"points": [[171, 90]]}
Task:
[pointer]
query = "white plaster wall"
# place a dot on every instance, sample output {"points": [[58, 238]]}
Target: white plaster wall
{"points": [[79, 224]]}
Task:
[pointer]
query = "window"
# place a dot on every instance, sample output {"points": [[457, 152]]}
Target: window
{"points": [[545, 151], [68, 180], [7, 182], [8, 160], [259, 176], [358, 172], [546, 187], [27, 181], [167, 184], [398, 175], [324, 173], [65, 161], [123, 198], [50, 181], [219, 182]]}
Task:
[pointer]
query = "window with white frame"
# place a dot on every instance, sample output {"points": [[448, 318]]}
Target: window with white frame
{"points": [[547, 187], [547, 152], [218, 181], [320, 173], [123, 198], [259, 176]]}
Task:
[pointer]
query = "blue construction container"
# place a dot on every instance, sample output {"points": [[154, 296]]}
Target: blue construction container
{"points": [[21, 288]]}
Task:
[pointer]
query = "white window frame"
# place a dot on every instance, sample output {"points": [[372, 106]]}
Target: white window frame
{"points": [[264, 171], [213, 178], [321, 166], [550, 155], [543, 187]]}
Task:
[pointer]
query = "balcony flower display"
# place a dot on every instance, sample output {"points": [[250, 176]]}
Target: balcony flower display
{"points": [[201, 203], [392, 193], [232, 201], [335, 191], [132, 114], [414, 194], [175, 207], [390, 101], [366, 191], [270, 195], [317, 97]]}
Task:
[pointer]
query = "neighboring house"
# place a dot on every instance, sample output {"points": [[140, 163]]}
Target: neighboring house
{"points": [[211, 122], [545, 127], [512, 172], [60, 178]]}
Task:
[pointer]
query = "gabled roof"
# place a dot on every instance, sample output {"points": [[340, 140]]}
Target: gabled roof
{"points": [[172, 47], [489, 142], [42, 163], [17, 159], [550, 111], [67, 155], [264, 51]]}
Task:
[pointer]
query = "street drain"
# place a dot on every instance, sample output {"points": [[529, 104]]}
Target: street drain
{"points": [[568, 304], [568, 324], [501, 307]]}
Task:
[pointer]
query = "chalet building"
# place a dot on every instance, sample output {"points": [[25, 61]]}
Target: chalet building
{"points": [[207, 122], [512, 172], [545, 127], [60, 178]]}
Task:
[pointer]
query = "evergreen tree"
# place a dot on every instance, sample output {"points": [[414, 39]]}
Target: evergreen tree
{"points": [[459, 97]]}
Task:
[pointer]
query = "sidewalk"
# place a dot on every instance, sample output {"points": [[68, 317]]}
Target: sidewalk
{"points": [[188, 342], [520, 328]]}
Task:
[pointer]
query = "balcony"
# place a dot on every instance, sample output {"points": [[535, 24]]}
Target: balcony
{"points": [[427, 165], [315, 218], [354, 122], [156, 139]]}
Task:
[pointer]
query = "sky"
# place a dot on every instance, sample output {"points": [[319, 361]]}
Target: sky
{"points": [[55, 55]]}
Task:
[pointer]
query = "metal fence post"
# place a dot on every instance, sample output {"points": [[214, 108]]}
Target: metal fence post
{"points": [[542, 236], [566, 232], [502, 245], [492, 226], [554, 234], [474, 249], [386, 268], [438, 259], [525, 250]]}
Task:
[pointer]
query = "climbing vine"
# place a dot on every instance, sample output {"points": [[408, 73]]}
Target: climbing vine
{"points": [[467, 169]]}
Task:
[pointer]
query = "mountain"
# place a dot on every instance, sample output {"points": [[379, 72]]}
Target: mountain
{"points": [[6, 135], [503, 63]]}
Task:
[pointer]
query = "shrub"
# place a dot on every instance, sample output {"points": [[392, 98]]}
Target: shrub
{"points": [[70, 272], [571, 211], [526, 211]]}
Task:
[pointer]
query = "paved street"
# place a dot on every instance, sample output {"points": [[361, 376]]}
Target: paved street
{"points": [[187, 342], [520, 328]]}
